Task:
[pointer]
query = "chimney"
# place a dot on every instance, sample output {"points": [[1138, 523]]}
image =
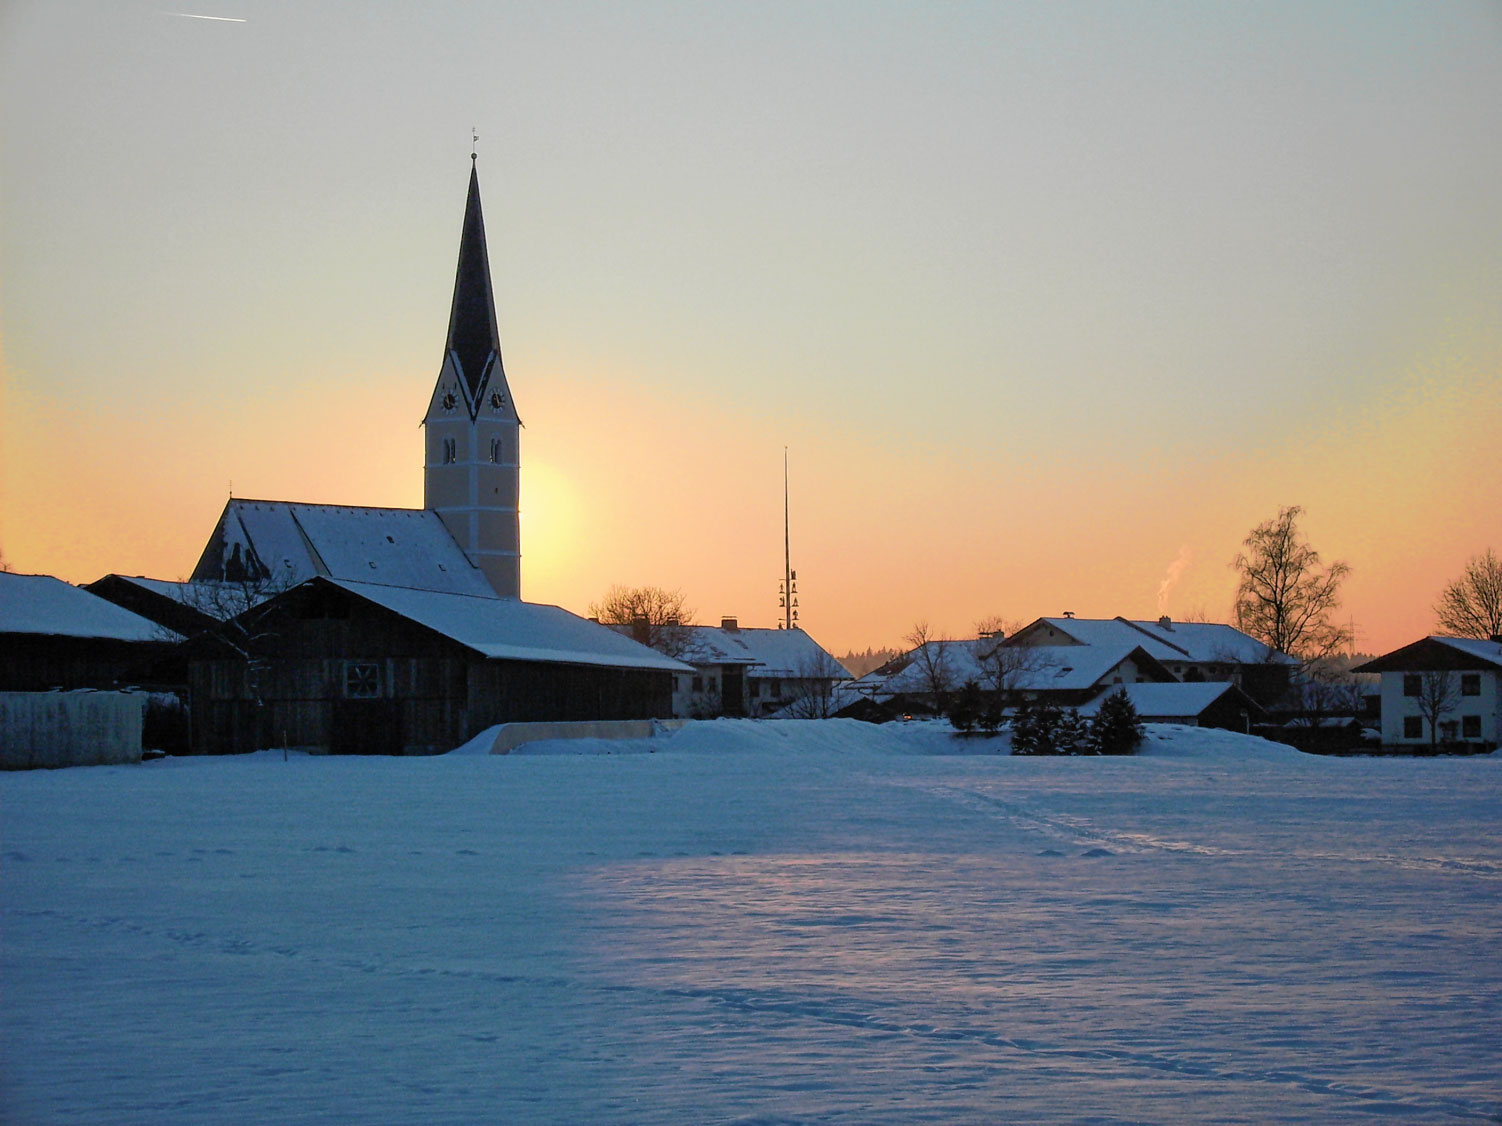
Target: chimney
{"points": [[731, 624], [640, 631], [1165, 622]]}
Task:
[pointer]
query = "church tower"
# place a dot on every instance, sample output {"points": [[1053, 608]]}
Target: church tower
{"points": [[470, 473]]}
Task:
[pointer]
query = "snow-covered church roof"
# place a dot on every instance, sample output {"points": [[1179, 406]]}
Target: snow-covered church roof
{"points": [[287, 543]]}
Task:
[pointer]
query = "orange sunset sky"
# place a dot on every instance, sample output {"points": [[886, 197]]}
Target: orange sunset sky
{"points": [[1049, 303]]}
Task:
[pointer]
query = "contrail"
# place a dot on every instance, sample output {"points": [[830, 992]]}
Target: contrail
{"points": [[196, 16]]}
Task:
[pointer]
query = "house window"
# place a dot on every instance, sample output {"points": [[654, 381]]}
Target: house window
{"points": [[1470, 727], [1413, 684], [1413, 727], [776, 689], [362, 680], [450, 451], [1470, 684], [698, 684], [756, 690], [713, 684]]}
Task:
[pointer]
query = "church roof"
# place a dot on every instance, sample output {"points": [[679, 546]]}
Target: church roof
{"points": [[283, 544], [474, 341]]}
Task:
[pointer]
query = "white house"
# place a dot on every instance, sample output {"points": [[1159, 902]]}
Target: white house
{"points": [[1453, 684], [753, 671]]}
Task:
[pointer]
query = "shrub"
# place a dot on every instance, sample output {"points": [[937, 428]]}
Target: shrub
{"points": [[1043, 729]]}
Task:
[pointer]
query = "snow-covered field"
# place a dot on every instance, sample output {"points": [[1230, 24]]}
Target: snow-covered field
{"points": [[758, 923]]}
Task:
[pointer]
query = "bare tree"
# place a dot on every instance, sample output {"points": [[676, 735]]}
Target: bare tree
{"points": [[234, 605], [1286, 598], [813, 687], [1006, 669], [1439, 692], [1471, 606], [931, 655], [657, 617]]}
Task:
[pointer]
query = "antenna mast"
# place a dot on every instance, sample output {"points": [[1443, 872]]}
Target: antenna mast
{"points": [[789, 592]]}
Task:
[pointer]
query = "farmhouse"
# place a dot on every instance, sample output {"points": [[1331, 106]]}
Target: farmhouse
{"points": [[1188, 651], [751, 671], [1441, 690]]}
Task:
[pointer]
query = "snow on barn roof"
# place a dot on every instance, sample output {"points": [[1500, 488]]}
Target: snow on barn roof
{"points": [[1169, 700], [405, 547], [215, 599], [510, 629], [41, 604]]}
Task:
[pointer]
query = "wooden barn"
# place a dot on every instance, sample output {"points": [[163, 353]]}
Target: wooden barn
{"points": [[346, 667], [55, 635]]}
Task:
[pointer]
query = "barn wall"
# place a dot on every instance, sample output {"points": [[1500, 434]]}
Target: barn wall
{"points": [[33, 663]]}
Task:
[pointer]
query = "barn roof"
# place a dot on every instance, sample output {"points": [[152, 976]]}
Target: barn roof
{"points": [[510, 629], [1169, 700], [43, 605]]}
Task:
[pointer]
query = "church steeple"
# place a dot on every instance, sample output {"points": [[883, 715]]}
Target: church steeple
{"points": [[474, 341], [471, 471]]}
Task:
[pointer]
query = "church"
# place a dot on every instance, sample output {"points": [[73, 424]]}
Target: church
{"points": [[402, 631]]}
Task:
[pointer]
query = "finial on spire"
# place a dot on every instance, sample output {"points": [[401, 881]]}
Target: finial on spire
{"points": [[475, 142]]}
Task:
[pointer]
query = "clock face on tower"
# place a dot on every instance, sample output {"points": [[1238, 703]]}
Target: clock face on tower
{"points": [[448, 400]]}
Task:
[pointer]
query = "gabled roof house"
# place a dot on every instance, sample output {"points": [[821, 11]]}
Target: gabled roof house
{"points": [[1441, 690]]}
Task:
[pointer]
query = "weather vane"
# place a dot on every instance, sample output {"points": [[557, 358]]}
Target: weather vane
{"points": [[474, 141]]}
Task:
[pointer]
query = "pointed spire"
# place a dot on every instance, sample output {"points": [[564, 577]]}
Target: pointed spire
{"points": [[473, 337]]}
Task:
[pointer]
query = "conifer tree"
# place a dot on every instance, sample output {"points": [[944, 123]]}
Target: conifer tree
{"points": [[1117, 729]]}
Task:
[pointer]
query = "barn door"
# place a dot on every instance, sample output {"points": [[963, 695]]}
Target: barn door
{"points": [[367, 727]]}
